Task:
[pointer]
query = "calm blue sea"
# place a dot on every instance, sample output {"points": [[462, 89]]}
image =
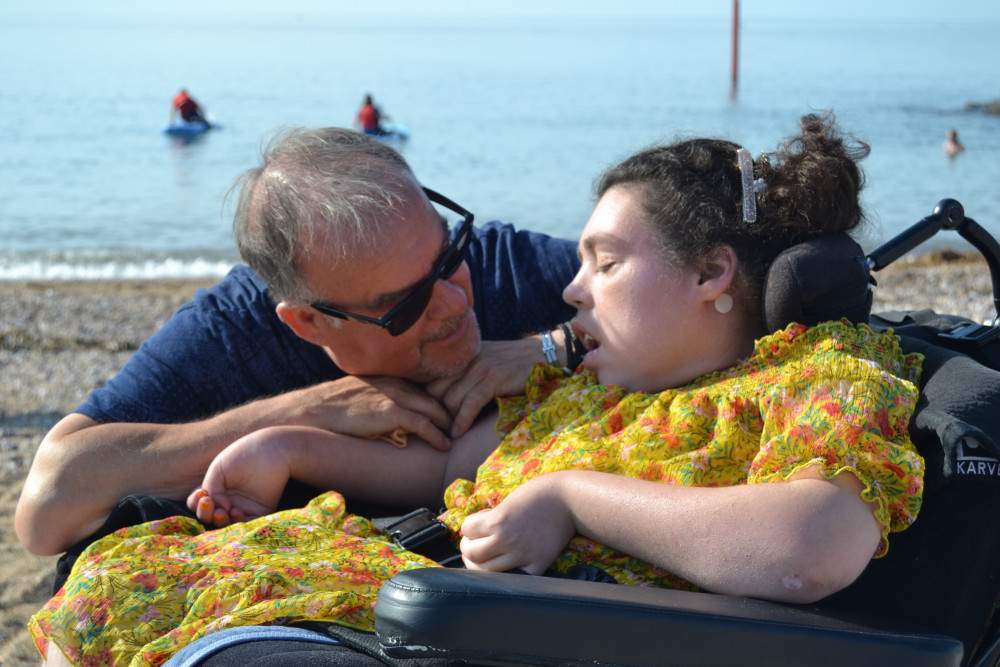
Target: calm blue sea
{"points": [[511, 118]]}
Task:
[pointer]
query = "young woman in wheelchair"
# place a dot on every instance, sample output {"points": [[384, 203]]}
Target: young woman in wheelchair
{"points": [[692, 448]]}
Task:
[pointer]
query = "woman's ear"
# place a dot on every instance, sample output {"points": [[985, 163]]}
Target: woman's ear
{"points": [[717, 270], [307, 323]]}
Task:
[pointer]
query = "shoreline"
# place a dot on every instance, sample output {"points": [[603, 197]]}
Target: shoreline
{"points": [[61, 339]]}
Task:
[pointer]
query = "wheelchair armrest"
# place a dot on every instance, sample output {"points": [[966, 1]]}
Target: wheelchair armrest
{"points": [[499, 618]]}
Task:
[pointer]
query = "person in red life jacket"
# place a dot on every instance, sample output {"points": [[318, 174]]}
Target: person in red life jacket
{"points": [[188, 109], [369, 118]]}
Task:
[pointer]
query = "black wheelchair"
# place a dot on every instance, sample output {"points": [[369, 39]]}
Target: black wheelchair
{"points": [[930, 602]]}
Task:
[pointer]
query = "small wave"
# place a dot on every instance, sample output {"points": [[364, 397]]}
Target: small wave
{"points": [[113, 269]]}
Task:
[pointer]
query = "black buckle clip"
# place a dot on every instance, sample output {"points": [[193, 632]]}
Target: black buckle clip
{"points": [[971, 333], [419, 531]]}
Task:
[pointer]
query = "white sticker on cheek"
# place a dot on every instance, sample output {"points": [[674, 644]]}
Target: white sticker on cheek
{"points": [[791, 582]]}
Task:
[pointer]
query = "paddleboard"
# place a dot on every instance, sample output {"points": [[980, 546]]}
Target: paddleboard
{"points": [[184, 129], [392, 132]]}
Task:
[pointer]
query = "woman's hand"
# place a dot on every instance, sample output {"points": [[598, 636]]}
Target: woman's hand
{"points": [[500, 369], [527, 530], [245, 481]]}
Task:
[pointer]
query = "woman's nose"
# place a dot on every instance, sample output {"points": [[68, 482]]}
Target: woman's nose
{"points": [[573, 293]]}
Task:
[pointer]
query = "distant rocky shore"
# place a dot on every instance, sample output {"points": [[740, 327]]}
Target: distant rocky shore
{"points": [[989, 107]]}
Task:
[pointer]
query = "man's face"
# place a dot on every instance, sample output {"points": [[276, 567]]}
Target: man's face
{"points": [[440, 343]]}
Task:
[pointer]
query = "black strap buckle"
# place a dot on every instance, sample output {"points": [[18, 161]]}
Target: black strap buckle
{"points": [[422, 532], [972, 334]]}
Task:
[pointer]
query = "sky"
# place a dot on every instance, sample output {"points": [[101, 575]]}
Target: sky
{"points": [[923, 10]]}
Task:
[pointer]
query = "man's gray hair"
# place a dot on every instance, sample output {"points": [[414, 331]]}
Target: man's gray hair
{"points": [[329, 186]]}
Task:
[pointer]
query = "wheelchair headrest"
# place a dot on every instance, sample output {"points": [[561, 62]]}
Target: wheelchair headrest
{"points": [[825, 278]]}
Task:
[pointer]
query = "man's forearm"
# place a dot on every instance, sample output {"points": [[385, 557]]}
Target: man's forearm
{"points": [[84, 468]]}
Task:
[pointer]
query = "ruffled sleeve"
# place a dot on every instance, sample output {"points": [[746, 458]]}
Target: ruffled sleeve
{"points": [[843, 404]]}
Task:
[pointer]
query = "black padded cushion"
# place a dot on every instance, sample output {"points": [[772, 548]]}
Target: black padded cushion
{"points": [[509, 619], [826, 278]]}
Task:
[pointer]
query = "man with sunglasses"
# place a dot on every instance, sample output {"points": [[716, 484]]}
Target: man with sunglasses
{"points": [[361, 312]]}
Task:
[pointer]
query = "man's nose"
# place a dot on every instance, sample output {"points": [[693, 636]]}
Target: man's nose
{"points": [[450, 297]]}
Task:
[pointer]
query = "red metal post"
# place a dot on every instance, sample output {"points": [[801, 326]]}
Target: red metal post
{"points": [[735, 65]]}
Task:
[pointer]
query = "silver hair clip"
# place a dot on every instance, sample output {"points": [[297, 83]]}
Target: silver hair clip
{"points": [[750, 186]]}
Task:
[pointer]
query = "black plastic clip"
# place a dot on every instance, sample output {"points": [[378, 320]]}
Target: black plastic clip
{"points": [[972, 334], [422, 532]]}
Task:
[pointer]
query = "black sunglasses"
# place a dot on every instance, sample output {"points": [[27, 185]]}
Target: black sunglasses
{"points": [[404, 314]]}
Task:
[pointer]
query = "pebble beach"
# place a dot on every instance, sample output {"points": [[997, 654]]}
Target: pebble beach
{"points": [[60, 340]]}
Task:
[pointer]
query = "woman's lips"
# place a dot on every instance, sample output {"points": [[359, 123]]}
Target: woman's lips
{"points": [[588, 341]]}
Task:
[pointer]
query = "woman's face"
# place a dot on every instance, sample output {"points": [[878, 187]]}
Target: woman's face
{"points": [[643, 321]]}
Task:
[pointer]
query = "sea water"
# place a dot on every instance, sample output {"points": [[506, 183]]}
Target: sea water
{"points": [[511, 118]]}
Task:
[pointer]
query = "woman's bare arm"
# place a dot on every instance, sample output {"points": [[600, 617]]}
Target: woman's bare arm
{"points": [[794, 541]]}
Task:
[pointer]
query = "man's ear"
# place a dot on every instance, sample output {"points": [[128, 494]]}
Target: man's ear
{"points": [[307, 322], [717, 270]]}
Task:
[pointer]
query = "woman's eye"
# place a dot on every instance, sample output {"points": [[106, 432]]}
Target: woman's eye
{"points": [[606, 265]]}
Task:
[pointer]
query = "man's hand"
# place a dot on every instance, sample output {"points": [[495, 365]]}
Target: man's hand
{"points": [[527, 530], [500, 369], [368, 407]]}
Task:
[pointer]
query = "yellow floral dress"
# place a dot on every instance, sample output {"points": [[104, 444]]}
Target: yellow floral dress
{"points": [[836, 397]]}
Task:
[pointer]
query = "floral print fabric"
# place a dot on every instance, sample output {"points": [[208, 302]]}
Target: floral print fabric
{"points": [[139, 595], [836, 397]]}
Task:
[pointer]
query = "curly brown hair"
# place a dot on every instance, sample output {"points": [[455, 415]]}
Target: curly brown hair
{"points": [[692, 194]]}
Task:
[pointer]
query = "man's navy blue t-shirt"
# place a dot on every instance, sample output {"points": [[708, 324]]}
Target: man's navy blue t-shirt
{"points": [[227, 347]]}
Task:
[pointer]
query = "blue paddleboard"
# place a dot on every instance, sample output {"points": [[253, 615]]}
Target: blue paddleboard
{"points": [[184, 129], [391, 132]]}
